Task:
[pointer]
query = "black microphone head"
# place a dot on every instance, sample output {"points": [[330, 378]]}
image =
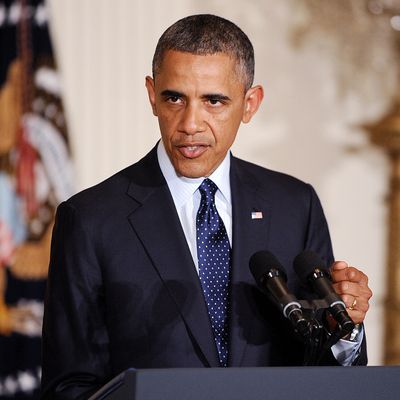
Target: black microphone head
{"points": [[262, 262], [306, 262]]}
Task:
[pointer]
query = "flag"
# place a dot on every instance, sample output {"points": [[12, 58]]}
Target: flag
{"points": [[256, 215], [35, 176]]}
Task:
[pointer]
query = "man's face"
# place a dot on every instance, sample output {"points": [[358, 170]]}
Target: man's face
{"points": [[200, 102]]}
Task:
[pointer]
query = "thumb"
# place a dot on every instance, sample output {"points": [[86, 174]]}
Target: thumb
{"points": [[339, 265]]}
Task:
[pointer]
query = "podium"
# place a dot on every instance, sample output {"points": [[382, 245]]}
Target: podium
{"points": [[272, 383]]}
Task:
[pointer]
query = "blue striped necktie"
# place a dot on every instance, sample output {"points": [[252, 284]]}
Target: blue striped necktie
{"points": [[214, 256]]}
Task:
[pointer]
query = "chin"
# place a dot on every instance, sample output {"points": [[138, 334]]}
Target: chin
{"points": [[190, 174], [191, 171]]}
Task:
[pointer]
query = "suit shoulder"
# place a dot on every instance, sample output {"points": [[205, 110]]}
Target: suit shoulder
{"points": [[106, 200], [270, 180], [112, 191], [100, 192]]}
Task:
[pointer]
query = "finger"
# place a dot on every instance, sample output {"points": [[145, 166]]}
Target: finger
{"points": [[353, 289], [339, 265], [349, 274], [357, 316], [355, 303]]}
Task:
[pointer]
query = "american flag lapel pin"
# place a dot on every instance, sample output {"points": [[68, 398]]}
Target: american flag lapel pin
{"points": [[256, 215]]}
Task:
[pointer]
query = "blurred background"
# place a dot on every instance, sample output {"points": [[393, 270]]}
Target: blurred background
{"points": [[330, 75]]}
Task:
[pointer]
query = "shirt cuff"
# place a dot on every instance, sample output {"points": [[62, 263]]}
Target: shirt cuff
{"points": [[346, 351]]}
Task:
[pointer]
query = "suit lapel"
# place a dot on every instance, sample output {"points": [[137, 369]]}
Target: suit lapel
{"points": [[251, 220], [157, 225]]}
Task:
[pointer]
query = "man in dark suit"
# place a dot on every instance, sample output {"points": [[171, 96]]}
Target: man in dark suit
{"points": [[132, 283]]}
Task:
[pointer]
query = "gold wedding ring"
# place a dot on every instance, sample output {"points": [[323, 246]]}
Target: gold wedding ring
{"points": [[353, 304]]}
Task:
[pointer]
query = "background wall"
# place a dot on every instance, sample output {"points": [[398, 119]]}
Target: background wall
{"points": [[316, 99]]}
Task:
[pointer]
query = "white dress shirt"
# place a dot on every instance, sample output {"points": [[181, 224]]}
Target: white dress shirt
{"points": [[186, 196]]}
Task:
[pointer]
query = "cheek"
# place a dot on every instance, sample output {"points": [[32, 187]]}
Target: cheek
{"points": [[167, 122], [225, 128]]}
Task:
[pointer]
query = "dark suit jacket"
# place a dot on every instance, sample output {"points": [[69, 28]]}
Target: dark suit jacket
{"points": [[123, 290]]}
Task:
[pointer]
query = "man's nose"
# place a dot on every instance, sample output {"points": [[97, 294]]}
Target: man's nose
{"points": [[192, 119]]}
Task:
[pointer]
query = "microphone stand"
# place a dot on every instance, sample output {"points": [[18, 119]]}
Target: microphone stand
{"points": [[318, 340]]}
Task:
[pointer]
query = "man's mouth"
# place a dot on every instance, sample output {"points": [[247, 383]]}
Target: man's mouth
{"points": [[192, 151]]}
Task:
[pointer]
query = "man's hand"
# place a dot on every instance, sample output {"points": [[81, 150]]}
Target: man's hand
{"points": [[352, 285]]}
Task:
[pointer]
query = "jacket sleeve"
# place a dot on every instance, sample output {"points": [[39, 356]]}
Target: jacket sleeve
{"points": [[318, 237], [75, 343], [318, 240]]}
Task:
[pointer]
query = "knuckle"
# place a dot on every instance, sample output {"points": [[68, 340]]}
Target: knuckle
{"points": [[368, 293], [343, 286], [346, 299], [334, 276]]}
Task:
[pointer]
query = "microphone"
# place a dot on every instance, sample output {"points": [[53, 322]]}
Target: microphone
{"points": [[270, 276], [312, 270]]}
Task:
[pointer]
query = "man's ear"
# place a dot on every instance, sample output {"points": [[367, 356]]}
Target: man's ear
{"points": [[252, 100], [151, 93]]}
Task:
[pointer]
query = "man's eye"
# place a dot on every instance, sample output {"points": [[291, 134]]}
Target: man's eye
{"points": [[174, 99], [216, 102]]}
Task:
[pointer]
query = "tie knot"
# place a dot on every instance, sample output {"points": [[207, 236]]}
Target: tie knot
{"points": [[208, 189]]}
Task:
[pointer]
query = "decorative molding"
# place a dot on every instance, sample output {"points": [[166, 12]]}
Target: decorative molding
{"points": [[386, 134]]}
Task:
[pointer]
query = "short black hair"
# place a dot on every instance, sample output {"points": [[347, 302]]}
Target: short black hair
{"points": [[206, 34]]}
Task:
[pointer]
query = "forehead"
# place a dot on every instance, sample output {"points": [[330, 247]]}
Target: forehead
{"points": [[190, 69]]}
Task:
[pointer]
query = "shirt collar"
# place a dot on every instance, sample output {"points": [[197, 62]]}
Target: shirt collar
{"points": [[183, 188]]}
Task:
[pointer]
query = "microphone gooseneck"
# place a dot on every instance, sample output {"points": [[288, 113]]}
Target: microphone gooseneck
{"points": [[270, 276], [313, 271]]}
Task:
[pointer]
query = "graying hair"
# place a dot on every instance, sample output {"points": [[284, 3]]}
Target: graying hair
{"points": [[207, 34]]}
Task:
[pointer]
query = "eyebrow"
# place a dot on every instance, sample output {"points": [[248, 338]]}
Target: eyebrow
{"points": [[215, 96], [207, 96], [171, 93]]}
